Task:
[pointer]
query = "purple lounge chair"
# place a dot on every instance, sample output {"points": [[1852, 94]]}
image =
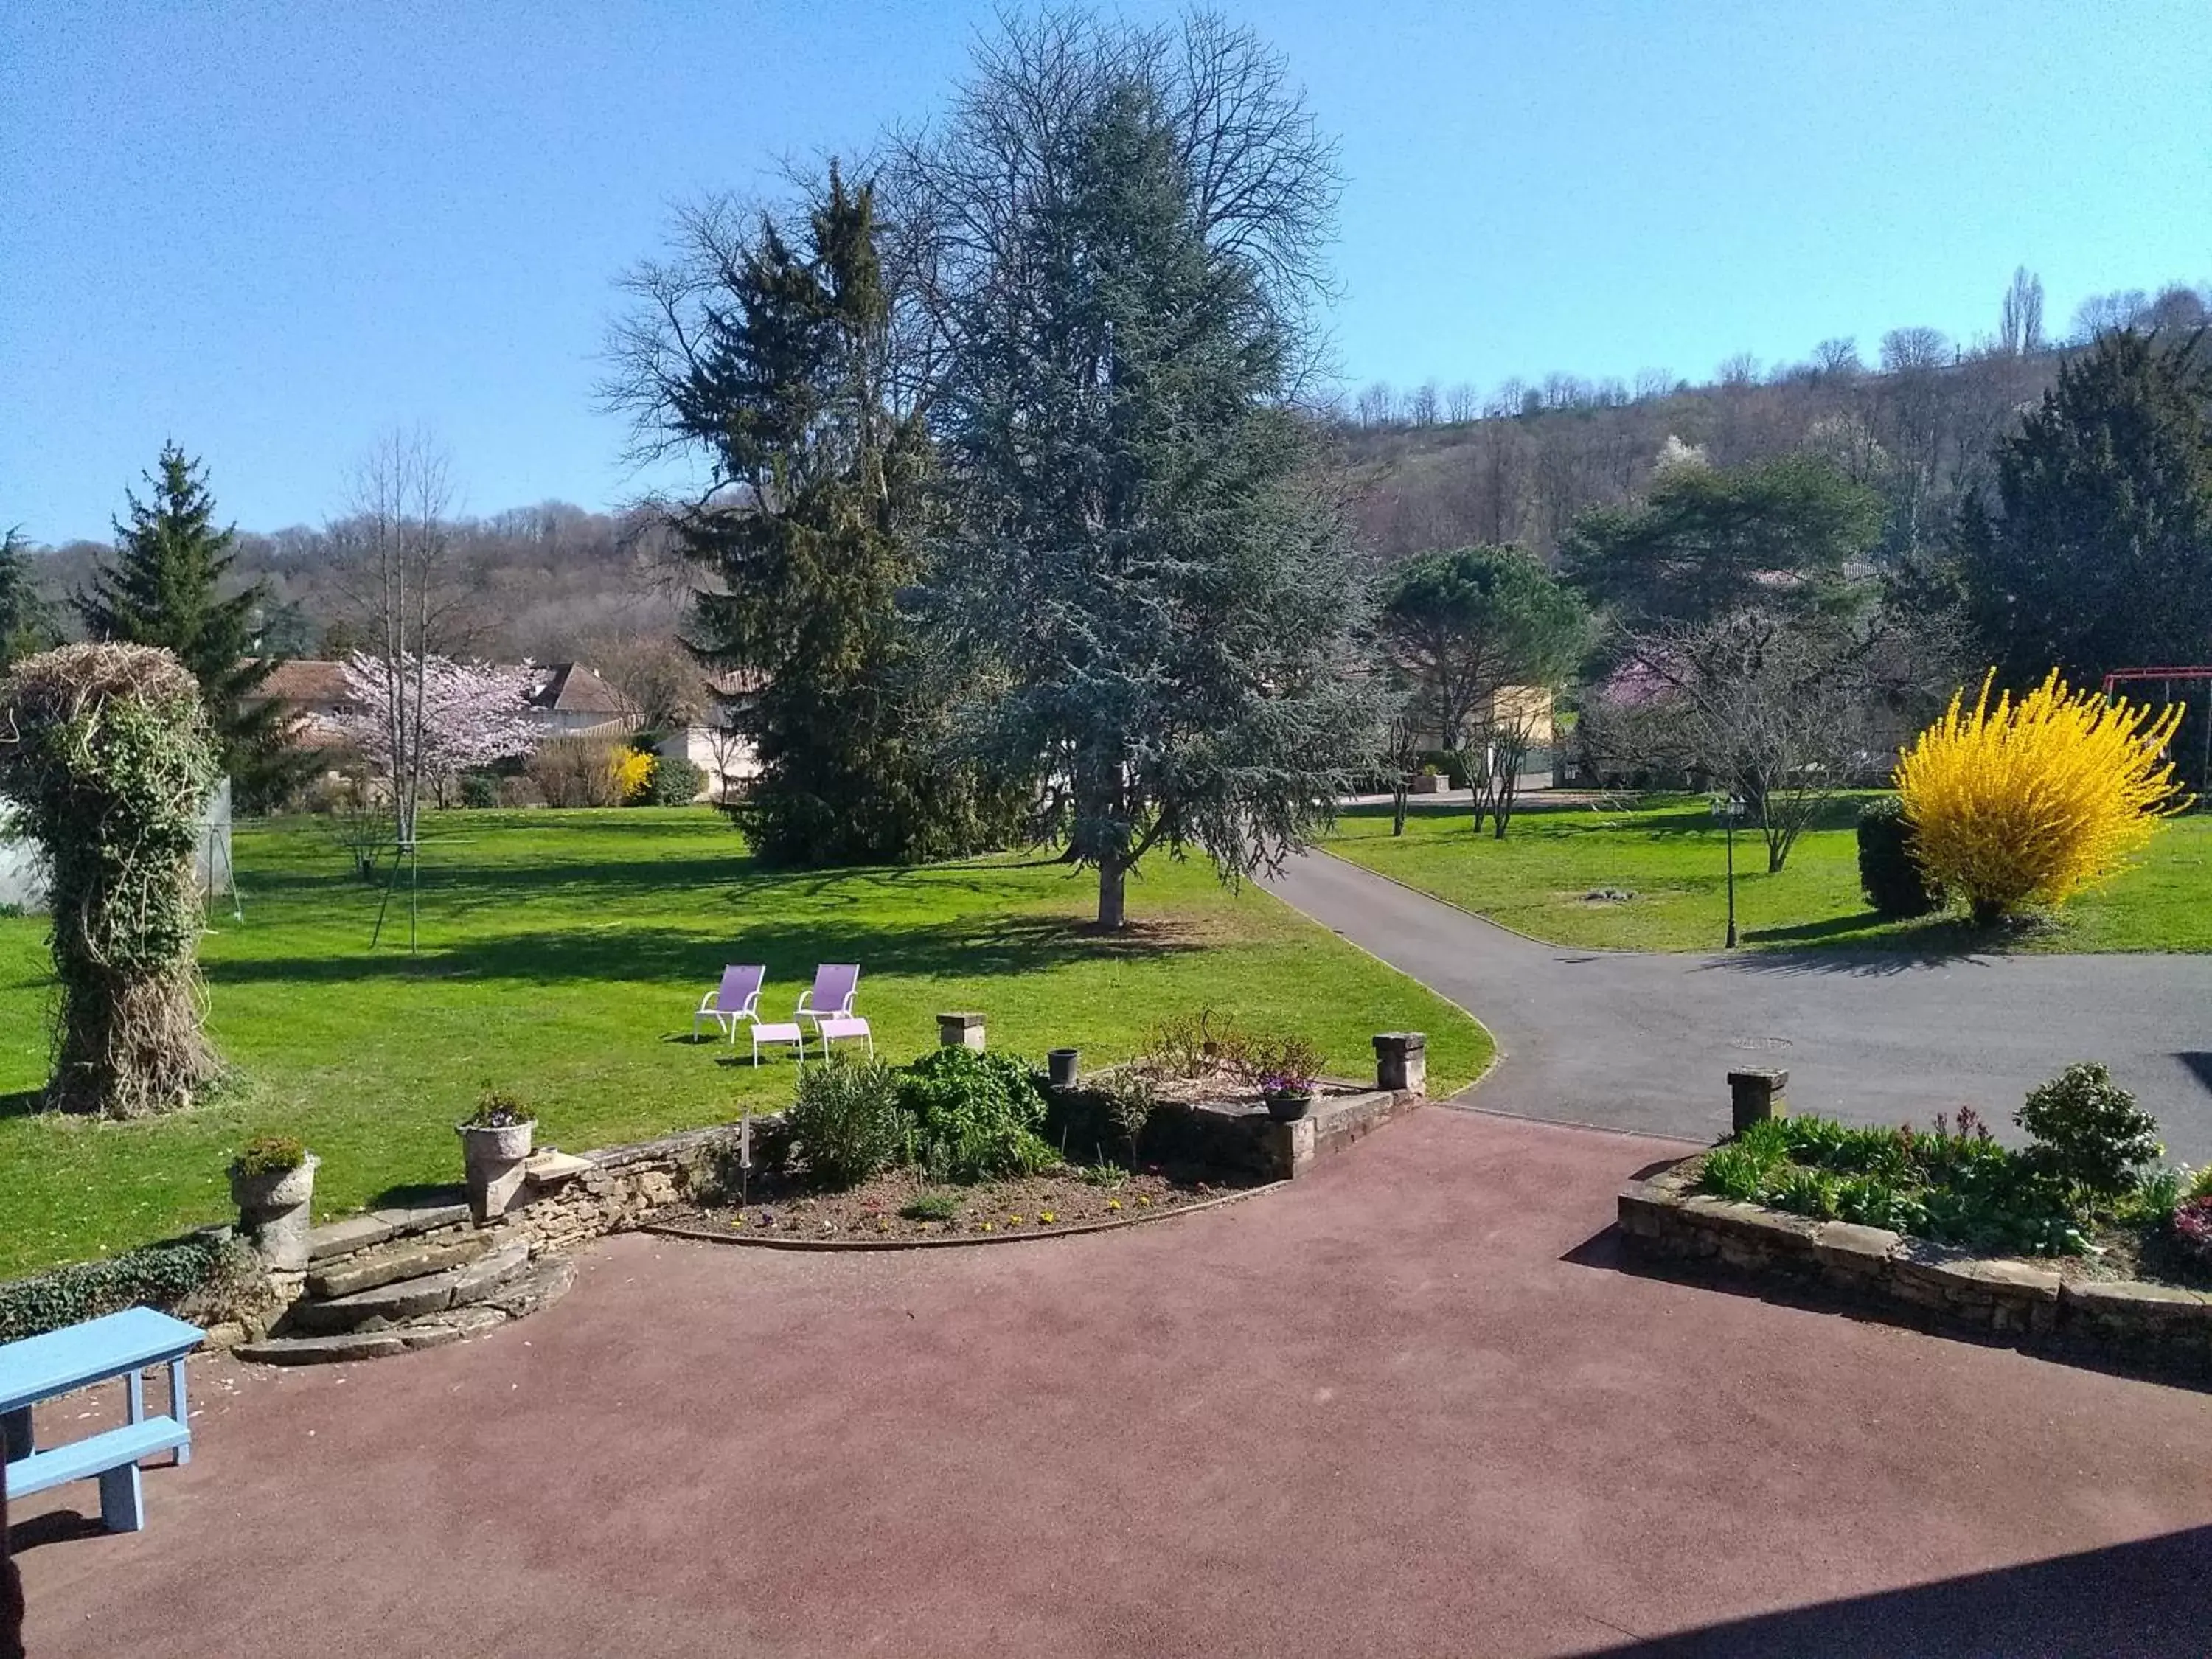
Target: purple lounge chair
{"points": [[737, 998], [829, 1005]]}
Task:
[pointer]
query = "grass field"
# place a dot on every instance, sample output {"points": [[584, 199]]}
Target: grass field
{"points": [[1669, 852], [561, 956]]}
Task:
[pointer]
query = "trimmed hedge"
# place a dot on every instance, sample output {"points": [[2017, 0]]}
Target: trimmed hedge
{"points": [[162, 1276], [1888, 873]]}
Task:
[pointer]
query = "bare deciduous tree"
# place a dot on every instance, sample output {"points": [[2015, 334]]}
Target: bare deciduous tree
{"points": [[2020, 328]]}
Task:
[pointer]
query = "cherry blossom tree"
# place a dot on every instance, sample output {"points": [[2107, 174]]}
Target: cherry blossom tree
{"points": [[417, 719]]}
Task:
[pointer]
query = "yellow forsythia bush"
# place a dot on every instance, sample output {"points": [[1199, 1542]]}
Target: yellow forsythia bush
{"points": [[633, 774], [2029, 802]]}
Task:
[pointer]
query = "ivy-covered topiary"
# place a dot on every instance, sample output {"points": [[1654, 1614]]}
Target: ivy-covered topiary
{"points": [[106, 750]]}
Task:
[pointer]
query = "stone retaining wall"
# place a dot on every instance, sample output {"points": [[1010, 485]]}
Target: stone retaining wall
{"points": [[2161, 1326]]}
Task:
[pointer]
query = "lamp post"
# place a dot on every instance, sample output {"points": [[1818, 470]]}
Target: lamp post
{"points": [[1727, 809]]}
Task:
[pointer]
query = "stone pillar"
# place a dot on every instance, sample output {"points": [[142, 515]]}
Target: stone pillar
{"points": [[960, 1032], [1401, 1061], [1754, 1097], [1061, 1065]]}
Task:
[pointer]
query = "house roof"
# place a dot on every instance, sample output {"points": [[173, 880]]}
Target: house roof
{"points": [[570, 687], [304, 681]]}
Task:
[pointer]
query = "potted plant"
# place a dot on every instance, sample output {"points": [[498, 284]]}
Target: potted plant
{"points": [[274, 1173], [499, 1131], [1426, 781], [1289, 1094], [1284, 1070]]}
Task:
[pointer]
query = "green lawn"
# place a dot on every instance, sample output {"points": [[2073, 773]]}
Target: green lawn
{"points": [[561, 956], [1669, 852]]}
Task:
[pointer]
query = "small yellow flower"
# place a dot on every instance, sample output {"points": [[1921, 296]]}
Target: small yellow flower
{"points": [[1013, 1221], [1113, 1203], [1146, 1202], [736, 1221], [1047, 1217], [986, 1226]]}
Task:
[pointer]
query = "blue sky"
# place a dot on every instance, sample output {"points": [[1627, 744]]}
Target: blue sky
{"points": [[274, 231]]}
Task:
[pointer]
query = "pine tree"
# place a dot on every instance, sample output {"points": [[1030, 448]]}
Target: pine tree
{"points": [[164, 588], [808, 543], [26, 625], [2098, 554]]}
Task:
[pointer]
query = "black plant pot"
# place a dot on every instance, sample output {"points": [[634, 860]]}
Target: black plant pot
{"points": [[1289, 1108]]}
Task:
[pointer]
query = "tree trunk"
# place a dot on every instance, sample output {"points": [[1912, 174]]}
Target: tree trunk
{"points": [[1398, 806], [1113, 885]]}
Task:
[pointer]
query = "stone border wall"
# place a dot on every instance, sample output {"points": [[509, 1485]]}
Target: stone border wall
{"points": [[2162, 1326]]}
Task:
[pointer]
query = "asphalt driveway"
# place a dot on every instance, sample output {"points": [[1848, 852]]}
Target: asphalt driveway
{"points": [[1645, 1041], [1412, 1404]]}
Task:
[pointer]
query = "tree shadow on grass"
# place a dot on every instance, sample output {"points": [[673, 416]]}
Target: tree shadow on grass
{"points": [[970, 947], [23, 1103], [1942, 942]]}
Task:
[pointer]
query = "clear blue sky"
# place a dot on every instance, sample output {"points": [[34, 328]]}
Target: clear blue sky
{"points": [[274, 231]]}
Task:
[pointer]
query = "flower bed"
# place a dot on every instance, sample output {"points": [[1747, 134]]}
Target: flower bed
{"points": [[2066, 1237], [897, 1206]]}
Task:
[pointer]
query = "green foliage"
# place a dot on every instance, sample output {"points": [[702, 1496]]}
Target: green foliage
{"points": [[164, 588], [267, 1155], [786, 394], [1463, 624], [495, 1108], [1167, 607], [479, 790], [2095, 556], [1103, 1174], [931, 1206], [676, 782], [1804, 1192], [27, 625], [157, 1275], [1707, 544], [2088, 1131], [1735, 1172], [2156, 1198], [845, 1119], [110, 762], [975, 1116], [1888, 873]]}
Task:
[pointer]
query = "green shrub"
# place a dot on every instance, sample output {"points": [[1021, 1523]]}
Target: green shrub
{"points": [[931, 1206], [1890, 876], [1805, 1192], [2155, 1199], [675, 782], [845, 1119], [975, 1115], [167, 1276], [269, 1155], [2088, 1131], [479, 790]]}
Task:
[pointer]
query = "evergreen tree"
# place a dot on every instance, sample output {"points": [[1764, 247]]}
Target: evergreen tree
{"points": [[810, 538], [164, 588], [1782, 537], [26, 624], [1169, 610], [1465, 624], [2098, 554]]}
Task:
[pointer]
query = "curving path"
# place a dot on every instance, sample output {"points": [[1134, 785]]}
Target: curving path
{"points": [[1643, 1041]]}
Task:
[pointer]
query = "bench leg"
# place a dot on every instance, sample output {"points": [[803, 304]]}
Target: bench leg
{"points": [[122, 1500], [15, 1441], [179, 1410]]}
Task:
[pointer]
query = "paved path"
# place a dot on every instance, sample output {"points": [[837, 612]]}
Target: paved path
{"points": [[1410, 1406], [1644, 1040]]}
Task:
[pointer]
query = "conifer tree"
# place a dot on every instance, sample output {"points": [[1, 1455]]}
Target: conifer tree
{"points": [[807, 542], [164, 588], [2097, 551], [25, 626]]}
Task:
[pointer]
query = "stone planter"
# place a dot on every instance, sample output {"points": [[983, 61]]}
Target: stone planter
{"points": [[275, 1209], [1423, 783], [1289, 1108], [493, 1161], [509, 1145]]}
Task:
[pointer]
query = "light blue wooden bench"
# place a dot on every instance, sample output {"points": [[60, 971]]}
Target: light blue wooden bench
{"points": [[120, 1345]]}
